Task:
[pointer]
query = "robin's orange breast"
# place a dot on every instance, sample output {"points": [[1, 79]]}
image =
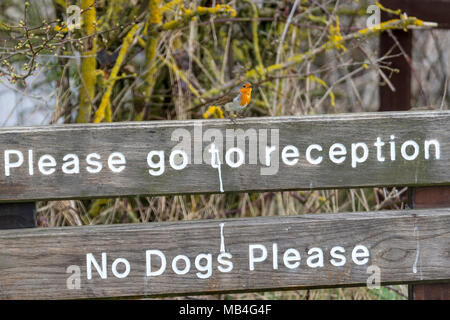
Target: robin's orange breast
{"points": [[246, 95]]}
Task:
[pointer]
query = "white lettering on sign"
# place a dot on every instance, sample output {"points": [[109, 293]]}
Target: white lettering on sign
{"points": [[309, 158], [261, 256], [436, 146], [184, 159], [187, 264], [379, 144], [159, 165], [148, 259], [360, 255], [124, 273], [259, 253], [360, 153], [47, 164], [337, 153], [9, 163], [70, 164], [102, 271], [288, 153], [353, 155], [291, 258], [338, 258], [116, 162], [30, 163], [205, 270], [91, 261], [93, 165], [225, 263], [414, 146], [240, 157], [202, 265], [315, 258], [392, 149]]}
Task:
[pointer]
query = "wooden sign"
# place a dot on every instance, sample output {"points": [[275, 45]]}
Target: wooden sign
{"points": [[254, 154], [304, 251]]}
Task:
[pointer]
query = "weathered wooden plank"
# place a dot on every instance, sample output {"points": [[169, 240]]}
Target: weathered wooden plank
{"points": [[406, 246], [135, 140]]}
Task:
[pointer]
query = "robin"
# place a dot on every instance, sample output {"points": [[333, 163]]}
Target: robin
{"points": [[233, 103]]}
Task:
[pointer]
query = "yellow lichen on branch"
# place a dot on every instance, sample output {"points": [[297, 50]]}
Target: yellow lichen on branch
{"points": [[154, 19], [336, 42], [335, 36], [88, 62], [170, 5], [4, 27], [155, 27], [394, 12], [155, 16], [255, 34], [256, 74], [213, 111], [199, 11], [104, 110]]}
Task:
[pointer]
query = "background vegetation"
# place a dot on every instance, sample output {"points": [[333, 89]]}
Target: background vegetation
{"points": [[143, 60]]}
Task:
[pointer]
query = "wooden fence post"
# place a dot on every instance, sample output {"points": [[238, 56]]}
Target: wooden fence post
{"points": [[17, 215], [429, 197], [400, 100]]}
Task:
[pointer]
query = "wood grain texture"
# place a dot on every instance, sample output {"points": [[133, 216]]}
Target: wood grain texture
{"points": [[407, 246], [135, 140]]}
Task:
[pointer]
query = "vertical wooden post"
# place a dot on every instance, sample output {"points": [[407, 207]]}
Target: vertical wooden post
{"points": [[17, 215], [422, 198], [400, 101]]}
